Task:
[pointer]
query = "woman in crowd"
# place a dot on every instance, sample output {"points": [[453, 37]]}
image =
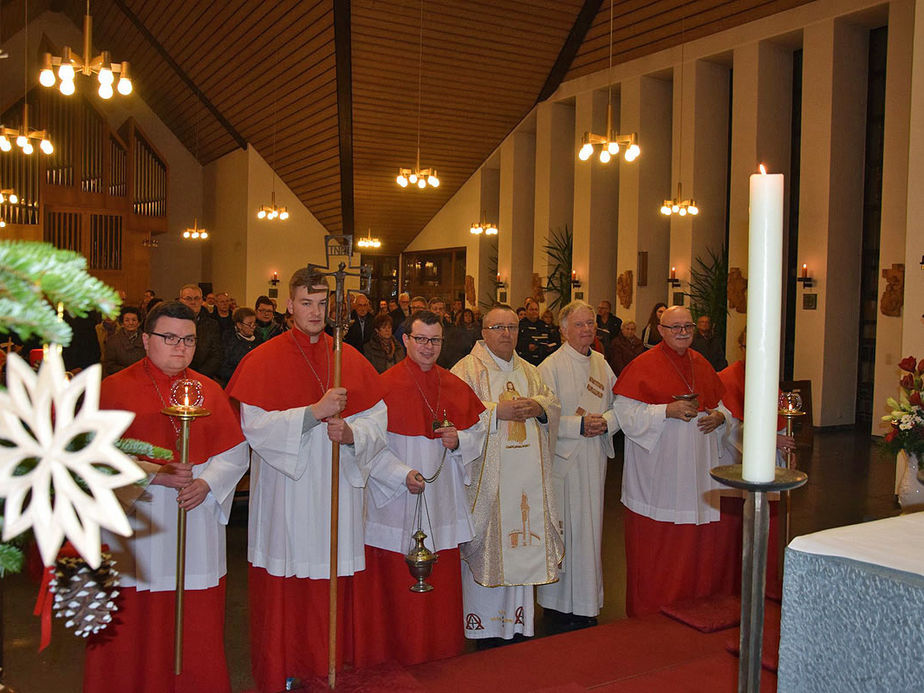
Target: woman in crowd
{"points": [[123, 347], [382, 349], [554, 334], [238, 342], [650, 334]]}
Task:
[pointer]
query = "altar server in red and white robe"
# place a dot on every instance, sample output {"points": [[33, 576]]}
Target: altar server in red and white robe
{"points": [[135, 653], [290, 413], [668, 403], [420, 396], [583, 382]]}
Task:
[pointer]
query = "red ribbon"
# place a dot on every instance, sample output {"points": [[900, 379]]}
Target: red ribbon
{"points": [[43, 606]]}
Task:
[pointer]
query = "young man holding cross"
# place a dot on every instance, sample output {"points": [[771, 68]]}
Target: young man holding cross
{"points": [[291, 413]]}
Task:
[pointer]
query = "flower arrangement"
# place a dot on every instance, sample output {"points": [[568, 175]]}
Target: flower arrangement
{"points": [[906, 421]]}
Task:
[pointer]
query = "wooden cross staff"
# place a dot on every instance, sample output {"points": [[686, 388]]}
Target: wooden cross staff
{"points": [[337, 247]]}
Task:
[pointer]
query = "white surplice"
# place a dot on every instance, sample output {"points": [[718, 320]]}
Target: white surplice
{"points": [[667, 461], [147, 559], [289, 531], [446, 521], [584, 384]]}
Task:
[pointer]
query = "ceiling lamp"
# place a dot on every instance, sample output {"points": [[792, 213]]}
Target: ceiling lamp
{"points": [[678, 205], [483, 227], [69, 64], [194, 233], [369, 241], [611, 142], [24, 136], [419, 177], [150, 241], [7, 195], [271, 212]]}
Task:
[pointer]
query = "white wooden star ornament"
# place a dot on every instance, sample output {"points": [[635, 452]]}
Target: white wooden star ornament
{"points": [[40, 415]]}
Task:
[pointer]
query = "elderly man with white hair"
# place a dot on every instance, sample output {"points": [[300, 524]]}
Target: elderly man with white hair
{"points": [[583, 381]]}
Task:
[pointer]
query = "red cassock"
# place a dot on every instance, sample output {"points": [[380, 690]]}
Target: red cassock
{"points": [[135, 653], [289, 615], [668, 562], [420, 626], [732, 378]]}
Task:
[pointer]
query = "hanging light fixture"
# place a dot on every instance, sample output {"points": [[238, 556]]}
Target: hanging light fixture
{"points": [[69, 64], [150, 241], [271, 212], [194, 233], [7, 195], [483, 227], [369, 241], [24, 136], [678, 205], [611, 143], [417, 176]]}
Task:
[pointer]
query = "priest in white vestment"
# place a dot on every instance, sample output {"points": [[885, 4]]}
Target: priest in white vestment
{"points": [[583, 382], [517, 542]]}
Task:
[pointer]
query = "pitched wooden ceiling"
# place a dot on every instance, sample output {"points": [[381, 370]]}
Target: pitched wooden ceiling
{"points": [[226, 73]]}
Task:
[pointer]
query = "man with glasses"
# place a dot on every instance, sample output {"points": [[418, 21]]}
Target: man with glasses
{"points": [[361, 329], [208, 356], [516, 542], [291, 412], [266, 326], [135, 645], [534, 340], [668, 403], [423, 455]]}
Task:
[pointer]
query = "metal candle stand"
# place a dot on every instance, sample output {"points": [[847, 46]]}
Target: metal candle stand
{"points": [[754, 562], [185, 413]]}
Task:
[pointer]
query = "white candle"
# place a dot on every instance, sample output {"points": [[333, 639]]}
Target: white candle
{"points": [[762, 371]]}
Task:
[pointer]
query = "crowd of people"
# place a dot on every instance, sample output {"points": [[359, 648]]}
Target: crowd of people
{"points": [[499, 426]]}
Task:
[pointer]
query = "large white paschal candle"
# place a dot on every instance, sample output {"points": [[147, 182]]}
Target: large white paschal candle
{"points": [[762, 369]]}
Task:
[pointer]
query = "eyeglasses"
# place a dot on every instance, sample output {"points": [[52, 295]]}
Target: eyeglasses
{"points": [[421, 340], [173, 339], [677, 329], [251, 325], [505, 328]]}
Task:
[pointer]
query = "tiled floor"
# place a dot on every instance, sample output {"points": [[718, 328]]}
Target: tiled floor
{"points": [[850, 480]]}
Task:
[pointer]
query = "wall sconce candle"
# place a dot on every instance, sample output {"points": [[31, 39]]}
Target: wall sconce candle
{"points": [[575, 282], [804, 278], [275, 280], [672, 279]]}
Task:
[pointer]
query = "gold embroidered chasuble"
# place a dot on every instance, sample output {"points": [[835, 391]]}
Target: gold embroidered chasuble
{"points": [[491, 546]]}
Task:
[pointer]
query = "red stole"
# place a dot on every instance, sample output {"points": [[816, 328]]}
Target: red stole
{"points": [[276, 377], [660, 373], [133, 389], [408, 413]]}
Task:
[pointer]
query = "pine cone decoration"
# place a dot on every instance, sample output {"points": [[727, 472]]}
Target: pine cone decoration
{"points": [[84, 596]]}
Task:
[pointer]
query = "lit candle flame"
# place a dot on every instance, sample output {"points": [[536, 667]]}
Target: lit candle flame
{"points": [[763, 170]]}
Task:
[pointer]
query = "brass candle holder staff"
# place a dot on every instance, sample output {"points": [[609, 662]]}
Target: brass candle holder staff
{"points": [[186, 405], [790, 408]]}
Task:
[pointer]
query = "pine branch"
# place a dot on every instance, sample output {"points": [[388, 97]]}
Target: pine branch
{"points": [[141, 448], [11, 559]]}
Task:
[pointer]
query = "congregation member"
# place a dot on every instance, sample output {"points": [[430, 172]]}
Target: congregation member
{"points": [[624, 347], [554, 330], [535, 337], [583, 382], [383, 350], [135, 653], [417, 303], [208, 356], [291, 412], [124, 347], [650, 335], [607, 324], [239, 342], [402, 311], [266, 326], [223, 314], [361, 329], [423, 455], [516, 542], [669, 407], [709, 344]]}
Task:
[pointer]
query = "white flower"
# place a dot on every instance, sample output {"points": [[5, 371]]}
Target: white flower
{"points": [[40, 415]]}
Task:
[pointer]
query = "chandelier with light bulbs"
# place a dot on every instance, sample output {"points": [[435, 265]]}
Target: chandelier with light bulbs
{"points": [[611, 142], [7, 196], [417, 176], [678, 205], [194, 233], [69, 64], [271, 212], [483, 227], [369, 241]]}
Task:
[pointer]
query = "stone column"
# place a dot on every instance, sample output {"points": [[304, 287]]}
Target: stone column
{"points": [[835, 60], [515, 222]]}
